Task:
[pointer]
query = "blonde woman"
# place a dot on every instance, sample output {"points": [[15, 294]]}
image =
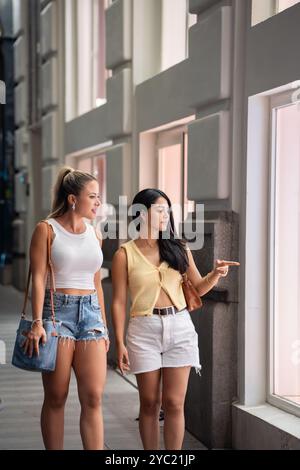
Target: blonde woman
{"points": [[83, 339]]}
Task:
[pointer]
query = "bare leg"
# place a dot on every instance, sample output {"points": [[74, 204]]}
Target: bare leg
{"points": [[56, 387], [150, 399], [90, 368], [174, 386]]}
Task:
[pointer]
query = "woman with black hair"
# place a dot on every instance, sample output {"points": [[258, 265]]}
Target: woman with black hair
{"points": [[161, 341]]}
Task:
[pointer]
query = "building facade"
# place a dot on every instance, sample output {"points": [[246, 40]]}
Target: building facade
{"points": [[198, 98]]}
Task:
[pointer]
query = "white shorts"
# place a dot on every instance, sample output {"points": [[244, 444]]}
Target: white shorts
{"points": [[158, 341]]}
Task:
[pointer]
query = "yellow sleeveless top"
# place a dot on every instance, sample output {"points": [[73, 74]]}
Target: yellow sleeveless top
{"points": [[145, 281]]}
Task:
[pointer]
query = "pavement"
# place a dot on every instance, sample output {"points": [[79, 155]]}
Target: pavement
{"points": [[21, 397]]}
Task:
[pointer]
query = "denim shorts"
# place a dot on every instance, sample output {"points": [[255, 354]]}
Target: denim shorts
{"points": [[156, 341], [80, 316]]}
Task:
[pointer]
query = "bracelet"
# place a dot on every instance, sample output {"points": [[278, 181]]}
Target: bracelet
{"points": [[35, 321]]}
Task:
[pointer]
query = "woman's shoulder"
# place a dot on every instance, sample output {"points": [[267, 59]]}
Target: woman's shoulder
{"points": [[41, 230], [124, 249], [126, 246], [39, 235], [120, 256], [41, 227]]}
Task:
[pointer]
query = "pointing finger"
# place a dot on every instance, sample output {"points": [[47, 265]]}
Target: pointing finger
{"points": [[228, 263]]}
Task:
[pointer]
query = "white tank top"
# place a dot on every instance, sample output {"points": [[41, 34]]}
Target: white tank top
{"points": [[75, 257]]}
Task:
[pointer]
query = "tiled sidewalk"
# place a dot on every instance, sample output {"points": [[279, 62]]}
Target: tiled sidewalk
{"points": [[21, 393]]}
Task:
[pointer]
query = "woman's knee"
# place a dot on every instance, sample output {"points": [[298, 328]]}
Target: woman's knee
{"points": [[56, 399], [91, 398], [150, 406], [172, 404]]}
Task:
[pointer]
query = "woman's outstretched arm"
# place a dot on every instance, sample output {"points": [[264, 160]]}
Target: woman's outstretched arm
{"points": [[206, 283]]}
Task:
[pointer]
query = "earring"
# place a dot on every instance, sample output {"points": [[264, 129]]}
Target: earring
{"points": [[73, 206]]}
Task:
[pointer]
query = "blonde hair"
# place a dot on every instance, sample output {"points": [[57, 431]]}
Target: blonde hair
{"points": [[69, 181]]}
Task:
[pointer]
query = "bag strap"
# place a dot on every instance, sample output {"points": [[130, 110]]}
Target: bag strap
{"points": [[51, 273]]}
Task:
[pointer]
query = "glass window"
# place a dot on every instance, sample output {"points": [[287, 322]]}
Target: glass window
{"points": [[285, 255], [85, 165], [86, 73], [264, 9], [34, 62], [161, 41], [176, 21], [100, 73], [172, 171], [95, 165], [99, 171], [284, 4]]}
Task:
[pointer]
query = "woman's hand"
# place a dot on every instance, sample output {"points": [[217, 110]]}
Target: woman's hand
{"points": [[222, 267], [31, 344], [123, 359]]}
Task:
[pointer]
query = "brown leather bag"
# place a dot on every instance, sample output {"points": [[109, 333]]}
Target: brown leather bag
{"points": [[192, 298]]}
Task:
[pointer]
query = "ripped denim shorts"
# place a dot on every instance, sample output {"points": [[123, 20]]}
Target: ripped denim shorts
{"points": [[80, 316]]}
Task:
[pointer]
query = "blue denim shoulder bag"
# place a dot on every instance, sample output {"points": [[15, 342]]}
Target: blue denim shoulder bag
{"points": [[46, 360]]}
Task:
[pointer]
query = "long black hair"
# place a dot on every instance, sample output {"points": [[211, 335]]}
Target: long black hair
{"points": [[171, 249]]}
